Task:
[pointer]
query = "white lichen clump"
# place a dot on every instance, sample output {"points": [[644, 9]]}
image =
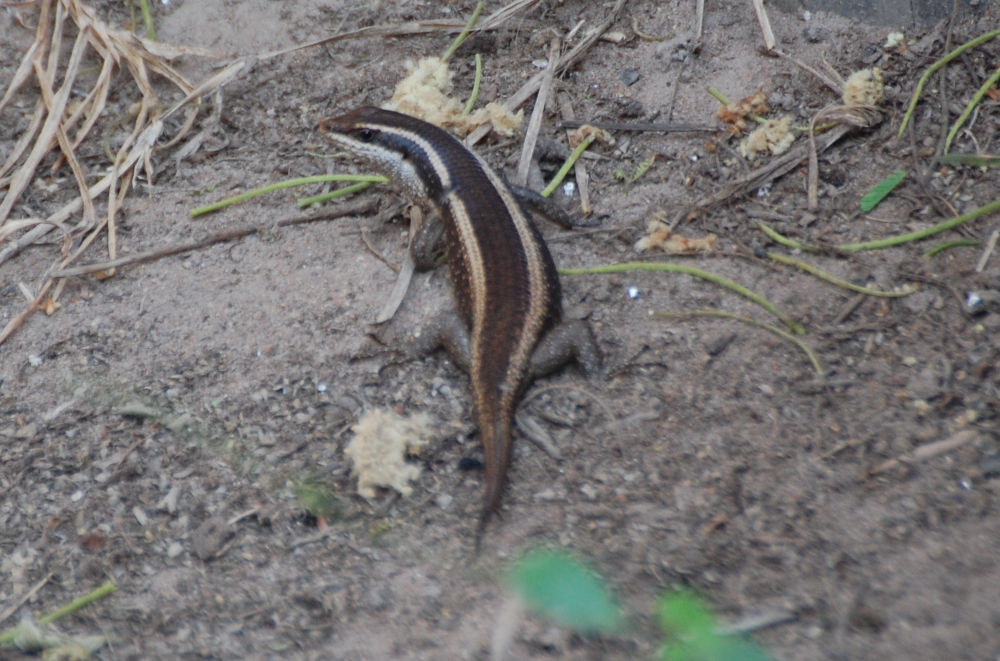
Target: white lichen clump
{"points": [[894, 40], [424, 93], [382, 441], [864, 87], [774, 136]]}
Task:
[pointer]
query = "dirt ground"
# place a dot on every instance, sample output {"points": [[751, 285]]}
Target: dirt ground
{"points": [[153, 430]]}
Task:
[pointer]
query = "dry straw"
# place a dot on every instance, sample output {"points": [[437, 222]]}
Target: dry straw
{"points": [[63, 120]]}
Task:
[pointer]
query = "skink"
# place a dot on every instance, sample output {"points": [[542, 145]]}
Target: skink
{"points": [[504, 280]]}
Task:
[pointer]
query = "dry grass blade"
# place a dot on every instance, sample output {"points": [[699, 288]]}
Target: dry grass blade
{"points": [[57, 129], [24, 141], [765, 25], [55, 104], [527, 89], [491, 22], [21, 75], [928, 451], [579, 169], [537, 113], [856, 116]]}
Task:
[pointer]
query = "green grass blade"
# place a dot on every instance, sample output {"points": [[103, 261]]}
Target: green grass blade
{"points": [[881, 189]]}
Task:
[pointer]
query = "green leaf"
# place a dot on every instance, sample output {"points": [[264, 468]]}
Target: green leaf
{"points": [[555, 584], [683, 614], [881, 189], [692, 627], [318, 498]]}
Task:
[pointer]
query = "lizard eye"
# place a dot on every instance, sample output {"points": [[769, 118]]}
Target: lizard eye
{"points": [[366, 134]]}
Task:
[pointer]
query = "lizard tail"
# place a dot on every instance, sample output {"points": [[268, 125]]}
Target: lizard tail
{"points": [[496, 446]]}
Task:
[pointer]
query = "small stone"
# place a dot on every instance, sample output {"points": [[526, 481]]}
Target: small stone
{"points": [[139, 410], [27, 431], [814, 35], [630, 108], [630, 76], [546, 495], [210, 537], [925, 384], [177, 423], [169, 502]]}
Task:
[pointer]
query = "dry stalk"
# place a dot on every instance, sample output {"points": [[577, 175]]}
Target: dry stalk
{"points": [[60, 124], [850, 116]]}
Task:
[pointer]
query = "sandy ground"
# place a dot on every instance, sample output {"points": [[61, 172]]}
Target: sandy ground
{"points": [[154, 429]]}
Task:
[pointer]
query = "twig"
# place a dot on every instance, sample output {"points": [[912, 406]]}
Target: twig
{"points": [[537, 114], [846, 115], [699, 20], [645, 36], [923, 452], [107, 587], [835, 86], [944, 89], [812, 169], [26, 596], [359, 207], [491, 22], [781, 239], [757, 621], [638, 126], [848, 309], [406, 270], [765, 25], [16, 322], [512, 611], [236, 518], [991, 243], [537, 435], [527, 89], [399, 289]]}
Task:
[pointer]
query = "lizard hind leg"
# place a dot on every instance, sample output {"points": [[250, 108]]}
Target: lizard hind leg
{"points": [[572, 339]]}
